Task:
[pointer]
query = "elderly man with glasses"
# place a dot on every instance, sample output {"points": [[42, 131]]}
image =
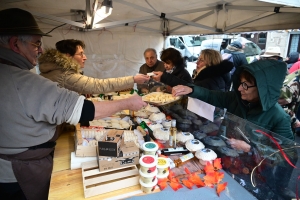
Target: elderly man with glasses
{"points": [[256, 91], [32, 107]]}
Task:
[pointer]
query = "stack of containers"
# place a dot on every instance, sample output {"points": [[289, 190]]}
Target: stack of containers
{"points": [[148, 173], [163, 166]]}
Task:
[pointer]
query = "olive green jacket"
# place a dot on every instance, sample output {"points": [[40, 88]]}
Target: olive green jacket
{"points": [[66, 72]]}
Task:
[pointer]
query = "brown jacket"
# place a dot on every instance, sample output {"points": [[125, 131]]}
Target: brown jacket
{"points": [[66, 72]]}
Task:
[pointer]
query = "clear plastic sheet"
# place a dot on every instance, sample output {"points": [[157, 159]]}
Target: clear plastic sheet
{"points": [[268, 168]]}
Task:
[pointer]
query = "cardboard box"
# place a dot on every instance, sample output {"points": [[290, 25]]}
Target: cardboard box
{"points": [[129, 155], [112, 143]]}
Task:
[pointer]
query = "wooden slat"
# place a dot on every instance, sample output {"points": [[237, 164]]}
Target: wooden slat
{"points": [[109, 187], [110, 177], [96, 182]]}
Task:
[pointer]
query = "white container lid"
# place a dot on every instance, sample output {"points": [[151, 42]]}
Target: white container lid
{"points": [[194, 145], [162, 163], [151, 184], [147, 175], [150, 146], [163, 176], [148, 161]]}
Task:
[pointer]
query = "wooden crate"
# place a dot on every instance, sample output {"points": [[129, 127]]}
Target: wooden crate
{"points": [[96, 182]]}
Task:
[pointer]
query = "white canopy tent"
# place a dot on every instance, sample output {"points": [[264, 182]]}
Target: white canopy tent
{"points": [[115, 45]]}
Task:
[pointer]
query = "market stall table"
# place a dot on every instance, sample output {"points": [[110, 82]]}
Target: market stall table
{"points": [[67, 184]]}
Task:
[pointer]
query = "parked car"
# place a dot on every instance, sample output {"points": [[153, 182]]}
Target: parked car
{"points": [[188, 45], [251, 49]]}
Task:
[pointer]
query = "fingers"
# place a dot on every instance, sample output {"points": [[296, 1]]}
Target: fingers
{"points": [[177, 90]]}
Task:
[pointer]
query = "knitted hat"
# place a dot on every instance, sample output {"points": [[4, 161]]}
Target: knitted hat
{"points": [[15, 21], [236, 44]]}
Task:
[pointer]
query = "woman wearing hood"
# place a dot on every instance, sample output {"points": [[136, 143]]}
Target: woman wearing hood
{"points": [[256, 91], [63, 65], [211, 72]]}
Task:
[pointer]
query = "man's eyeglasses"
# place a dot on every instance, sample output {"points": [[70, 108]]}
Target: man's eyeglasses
{"points": [[80, 54], [38, 44], [200, 60], [245, 86]]}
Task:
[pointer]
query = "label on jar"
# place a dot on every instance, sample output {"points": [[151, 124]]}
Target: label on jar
{"points": [[161, 162], [148, 160], [186, 133], [170, 140], [150, 145], [186, 157]]}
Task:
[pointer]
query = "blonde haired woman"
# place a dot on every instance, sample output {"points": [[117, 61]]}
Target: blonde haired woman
{"points": [[212, 72]]}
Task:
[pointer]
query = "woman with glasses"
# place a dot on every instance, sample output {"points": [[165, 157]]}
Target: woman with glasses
{"points": [[256, 91], [63, 65]]}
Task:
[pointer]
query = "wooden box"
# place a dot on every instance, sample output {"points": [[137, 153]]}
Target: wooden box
{"points": [[96, 182], [84, 151]]}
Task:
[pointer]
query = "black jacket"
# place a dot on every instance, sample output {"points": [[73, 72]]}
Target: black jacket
{"points": [[216, 77], [239, 58], [181, 73]]}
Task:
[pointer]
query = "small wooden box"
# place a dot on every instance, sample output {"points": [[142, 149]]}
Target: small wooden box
{"points": [[96, 182], [84, 151]]}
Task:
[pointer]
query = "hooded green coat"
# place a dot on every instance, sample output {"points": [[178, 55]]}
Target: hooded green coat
{"points": [[269, 75]]}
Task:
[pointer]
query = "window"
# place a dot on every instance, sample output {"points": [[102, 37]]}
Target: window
{"points": [[262, 38]]}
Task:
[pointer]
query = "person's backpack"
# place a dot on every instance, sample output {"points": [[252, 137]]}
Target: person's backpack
{"points": [[229, 57]]}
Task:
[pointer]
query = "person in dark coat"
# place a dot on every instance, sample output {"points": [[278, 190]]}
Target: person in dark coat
{"points": [[256, 91], [236, 50], [291, 59], [211, 72], [174, 64]]}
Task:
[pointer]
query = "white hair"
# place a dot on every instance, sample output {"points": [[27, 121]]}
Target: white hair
{"points": [[4, 39]]}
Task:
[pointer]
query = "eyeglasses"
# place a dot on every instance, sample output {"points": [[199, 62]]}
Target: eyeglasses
{"points": [[200, 60], [245, 86], [80, 54], [38, 44]]}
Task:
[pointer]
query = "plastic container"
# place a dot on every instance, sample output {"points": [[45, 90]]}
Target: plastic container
{"points": [[148, 187], [148, 177], [205, 155], [150, 148], [161, 177], [162, 166], [148, 164]]}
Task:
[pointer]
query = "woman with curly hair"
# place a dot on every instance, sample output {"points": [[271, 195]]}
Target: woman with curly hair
{"points": [[174, 64]]}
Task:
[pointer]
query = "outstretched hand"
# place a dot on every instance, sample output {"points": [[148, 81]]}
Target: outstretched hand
{"points": [[181, 90], [239, 145], [157, 75], [135, 103], [141, 78]]}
